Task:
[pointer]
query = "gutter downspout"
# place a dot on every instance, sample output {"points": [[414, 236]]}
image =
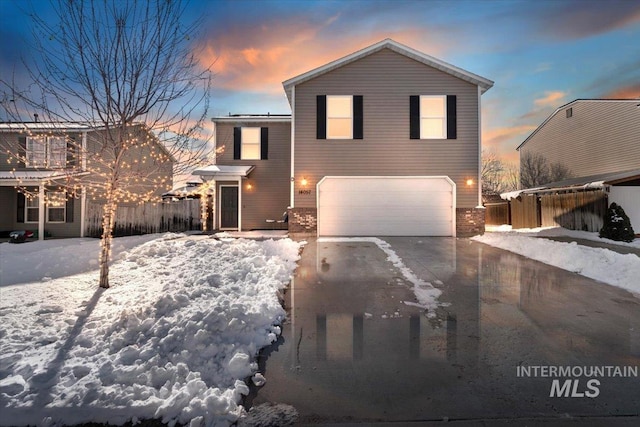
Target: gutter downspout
{"points": [[293, 132]]}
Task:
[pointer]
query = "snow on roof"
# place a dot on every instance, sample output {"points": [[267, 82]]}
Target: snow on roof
{"points": [[21, 126], [255, 118], [36, 175], [223, 171], [484, 83]]}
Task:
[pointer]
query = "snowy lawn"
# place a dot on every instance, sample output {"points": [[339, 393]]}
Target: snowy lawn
{"points": [[600, 264], [174, 338]]}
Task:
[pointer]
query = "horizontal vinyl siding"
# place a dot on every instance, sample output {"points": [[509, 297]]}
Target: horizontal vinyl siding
{"points": [[386, 80], [600, 137], [269, 197]]}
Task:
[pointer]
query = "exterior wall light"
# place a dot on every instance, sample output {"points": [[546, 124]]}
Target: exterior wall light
{"points": [[304, 181], [249, 186], [469, 182]]}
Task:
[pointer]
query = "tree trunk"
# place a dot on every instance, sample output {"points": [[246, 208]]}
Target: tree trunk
{"points": [[108, 220]]}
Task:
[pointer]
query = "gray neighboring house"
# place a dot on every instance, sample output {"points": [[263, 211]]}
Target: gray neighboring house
{"points": [[384, 141], [599, 141]]}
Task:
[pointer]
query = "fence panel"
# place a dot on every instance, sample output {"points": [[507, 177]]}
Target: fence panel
{"points": [[525, 211], [181, 215], [497, 213], [583, 210]]}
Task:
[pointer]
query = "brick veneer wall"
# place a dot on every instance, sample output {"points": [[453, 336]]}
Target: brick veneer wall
{"points": [[469, 221], [303, 220]]}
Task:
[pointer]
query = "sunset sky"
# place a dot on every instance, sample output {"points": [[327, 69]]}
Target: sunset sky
{"points": [[540, 54]]}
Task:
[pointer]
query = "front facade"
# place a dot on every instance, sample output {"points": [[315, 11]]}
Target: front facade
{"points": [[385, 141], [49, 173]]}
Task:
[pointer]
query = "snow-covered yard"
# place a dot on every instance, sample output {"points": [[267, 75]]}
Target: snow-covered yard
{"points": [[173, 338], [621, 270]]}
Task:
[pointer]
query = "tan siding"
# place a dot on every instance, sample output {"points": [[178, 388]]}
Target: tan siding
{"points": [[269, 196], [386, 80], [601, 137]]}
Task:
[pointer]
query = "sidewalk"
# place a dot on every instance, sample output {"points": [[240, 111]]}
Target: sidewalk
{"points": [[593, 244]]}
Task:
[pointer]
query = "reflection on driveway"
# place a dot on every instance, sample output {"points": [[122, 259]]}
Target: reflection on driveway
{"points": [[351, 350]]}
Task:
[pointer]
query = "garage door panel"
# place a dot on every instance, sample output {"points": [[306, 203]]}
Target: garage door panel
{"points": [[393, 206]]}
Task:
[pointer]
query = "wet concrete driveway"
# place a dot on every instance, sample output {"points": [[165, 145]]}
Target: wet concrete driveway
{"points": [[352, 351]]}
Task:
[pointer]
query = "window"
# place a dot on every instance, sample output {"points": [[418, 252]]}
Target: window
{"points": [[56, 206], [32, 205], [250, 144], [433, 117], [339, 117], [569, 112], [46, 152]]}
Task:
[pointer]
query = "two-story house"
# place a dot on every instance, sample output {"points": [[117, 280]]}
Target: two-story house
{"points": [[49, 172], [598, 141], [384, 141]]}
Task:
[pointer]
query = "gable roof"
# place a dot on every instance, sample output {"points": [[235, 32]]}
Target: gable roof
{"points": [[483, 83], [569, 104]]}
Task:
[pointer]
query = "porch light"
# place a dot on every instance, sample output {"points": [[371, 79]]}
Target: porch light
{"points": [[249, 186], [304, 181], [469, 182]]}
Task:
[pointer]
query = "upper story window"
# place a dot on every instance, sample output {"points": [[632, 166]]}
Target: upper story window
{"points": [[250, 143], [46, 152], [250, 149], [433, 117], [339, 117]]}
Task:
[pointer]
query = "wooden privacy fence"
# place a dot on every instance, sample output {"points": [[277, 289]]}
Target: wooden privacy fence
{"points": [[581, 210], [181, 215], [584, 210], [497, 213]]}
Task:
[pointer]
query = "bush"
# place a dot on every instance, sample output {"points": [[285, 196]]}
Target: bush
{"points": [[617, 225]]}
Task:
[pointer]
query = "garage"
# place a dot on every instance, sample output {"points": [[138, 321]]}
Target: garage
{"points": [[386, 206]]}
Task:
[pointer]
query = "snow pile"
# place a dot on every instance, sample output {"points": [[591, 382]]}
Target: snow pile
{"points": [[600, 264], [173, 338], [558, 232], [426, 294]]}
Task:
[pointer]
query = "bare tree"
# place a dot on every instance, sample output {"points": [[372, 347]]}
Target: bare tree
{"points": [[122, 66], [497, 176], [535, 170]]}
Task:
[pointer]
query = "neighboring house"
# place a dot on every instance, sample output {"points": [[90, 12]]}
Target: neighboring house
{"points": [[598, 140], [49, 172], [385, 141]]}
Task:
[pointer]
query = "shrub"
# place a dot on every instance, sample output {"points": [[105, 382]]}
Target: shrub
{"points": [[617, 225]]}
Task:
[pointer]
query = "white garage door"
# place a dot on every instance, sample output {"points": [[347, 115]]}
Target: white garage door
{"points": [[386, 206]]}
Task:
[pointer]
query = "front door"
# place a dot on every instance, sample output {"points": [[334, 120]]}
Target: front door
{"points": [[228, 208]]}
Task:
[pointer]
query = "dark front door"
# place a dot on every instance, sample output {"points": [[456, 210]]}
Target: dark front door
{"points": [[228, 207]]}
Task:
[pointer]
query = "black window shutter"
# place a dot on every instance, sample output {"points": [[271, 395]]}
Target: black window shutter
{"points": [[21, 210], [69, 210], [321, 117], [236, 143], [452, 131], [358, 128], [71, 151], [414, 117], [22, 153], [264, 143]]}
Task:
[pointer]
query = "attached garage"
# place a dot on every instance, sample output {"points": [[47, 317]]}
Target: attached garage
{"points": [[386, 206]]}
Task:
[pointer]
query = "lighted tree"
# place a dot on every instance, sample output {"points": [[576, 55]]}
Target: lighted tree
{"points": [[128, 68]]}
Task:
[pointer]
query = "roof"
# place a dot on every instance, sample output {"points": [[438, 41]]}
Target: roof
{"points": [[21, 126], [13, 177], [569, 104], [253, 118], [223, 171], [484, 83], [577, 184]]}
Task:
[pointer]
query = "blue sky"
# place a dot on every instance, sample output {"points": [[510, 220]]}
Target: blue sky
{"points": [[541, 54]]}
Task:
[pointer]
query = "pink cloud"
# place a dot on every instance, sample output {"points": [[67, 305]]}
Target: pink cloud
{"points": [[625, 92], [551, 99]]}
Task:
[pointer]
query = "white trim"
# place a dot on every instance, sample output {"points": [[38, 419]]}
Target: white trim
{"points": [[83, 209], [292, 187], [479, 180], [239, 204], [482, 82], [220, 206], [83, 153], [454, 194], [40, 212]]}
